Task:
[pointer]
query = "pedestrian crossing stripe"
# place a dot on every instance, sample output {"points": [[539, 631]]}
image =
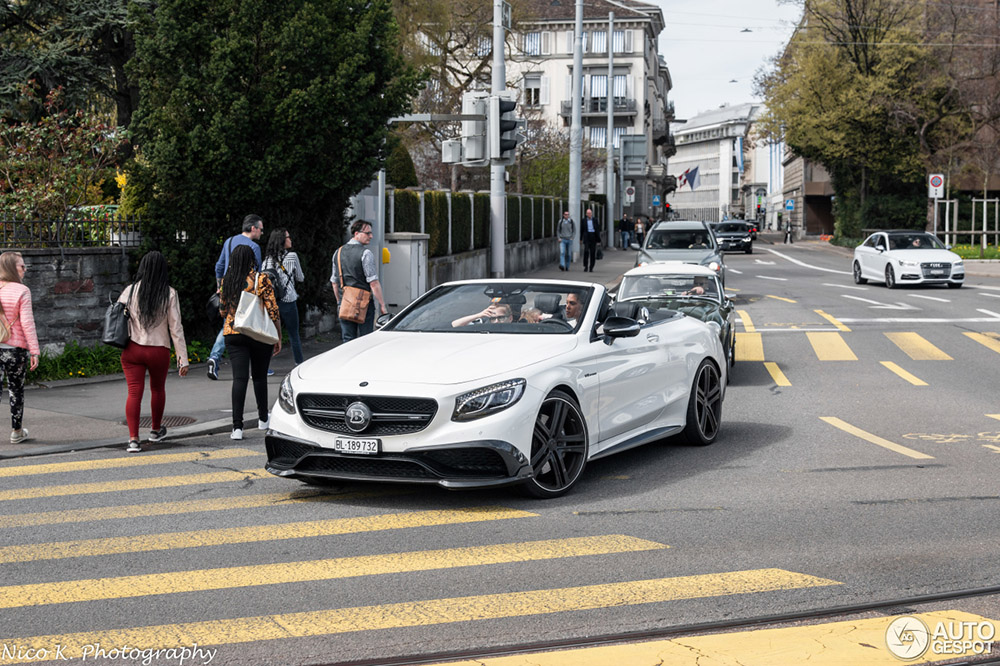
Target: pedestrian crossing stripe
{"points": [[988, 340], [859, 641], [916, 347], [189, 506], [776, 374], [38, 594], [874, 439], [228, 476], [110, 463], [833, 320], [913, 379], [429, 612], [253, 534], [747, 321], [749, 347], [830, 346]]}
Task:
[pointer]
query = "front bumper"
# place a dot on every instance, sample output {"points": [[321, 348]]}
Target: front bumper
{"points": [[477, 464]]}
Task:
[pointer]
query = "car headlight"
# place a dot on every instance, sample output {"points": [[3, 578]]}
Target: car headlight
{"points": [[286, 396], [746, 239], [715, 266], [908, 264], [488, 400], [958, 264]]}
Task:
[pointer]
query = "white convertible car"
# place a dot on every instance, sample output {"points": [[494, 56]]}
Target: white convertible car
{"points": [[900, 258], [497, 382]]}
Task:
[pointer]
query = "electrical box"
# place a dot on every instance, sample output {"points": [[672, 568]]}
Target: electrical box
{"points": [[404, 278]]}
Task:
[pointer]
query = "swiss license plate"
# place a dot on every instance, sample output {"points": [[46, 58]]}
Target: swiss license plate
{"points": [[366, 447], [937, 272]]}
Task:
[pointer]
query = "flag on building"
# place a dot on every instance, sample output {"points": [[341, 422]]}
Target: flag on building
{"points": [[689, 177]]}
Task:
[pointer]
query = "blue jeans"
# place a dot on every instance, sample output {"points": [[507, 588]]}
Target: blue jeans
{"points": [[350, 330], [626, 236], [290, 320], [218, 347], [565, 252]]}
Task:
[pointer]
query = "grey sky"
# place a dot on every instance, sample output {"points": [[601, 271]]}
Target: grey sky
{"points": [[706, 48]]}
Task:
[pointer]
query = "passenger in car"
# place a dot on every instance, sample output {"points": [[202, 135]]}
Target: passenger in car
{"points": [[531, 315]]}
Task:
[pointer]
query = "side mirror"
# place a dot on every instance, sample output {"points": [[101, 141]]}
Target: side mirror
{"points": [[621, 327], [383, 320], [880, 248], [634, 246]]}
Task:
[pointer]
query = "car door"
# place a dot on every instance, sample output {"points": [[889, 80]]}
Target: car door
{"points": [[867, 257], [881, 257]]}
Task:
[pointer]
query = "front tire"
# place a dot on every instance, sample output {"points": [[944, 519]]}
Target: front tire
{"points": [[749, 249], [890, 278], [704, 413], [857, 274], [558, 447]]}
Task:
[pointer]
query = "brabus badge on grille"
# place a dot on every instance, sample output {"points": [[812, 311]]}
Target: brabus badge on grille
{"points": [[359, 416]]}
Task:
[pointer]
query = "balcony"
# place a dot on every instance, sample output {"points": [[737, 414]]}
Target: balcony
{"points": [[598, 106]]}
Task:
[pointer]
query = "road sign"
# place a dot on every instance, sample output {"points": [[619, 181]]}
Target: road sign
{"points": [[629, 195], [935, 186], [789, 204], [656, 200]]}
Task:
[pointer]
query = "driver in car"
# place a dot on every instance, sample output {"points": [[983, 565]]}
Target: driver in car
{"points": [[495, 313], [573, 309], [697, 287]]}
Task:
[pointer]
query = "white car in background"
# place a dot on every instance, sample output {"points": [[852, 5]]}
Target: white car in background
{"points": [[487, 383], [900, 258]]}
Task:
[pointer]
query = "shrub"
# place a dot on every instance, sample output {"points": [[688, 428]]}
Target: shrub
{"points": [[407, 211], [481, 213], [461, 227], [436, 223]]}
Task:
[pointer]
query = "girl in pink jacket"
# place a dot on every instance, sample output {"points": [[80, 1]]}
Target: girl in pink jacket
{"points": [[19, 352]]}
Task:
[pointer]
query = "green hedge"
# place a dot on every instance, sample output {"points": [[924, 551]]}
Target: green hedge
{"points": [[513, 219], [407, 213], [481, 208], [436, 223], [539, 217], [461, 210]]}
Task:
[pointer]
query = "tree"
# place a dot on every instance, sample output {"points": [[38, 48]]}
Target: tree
{"points": [[55, 163], [399, 171], [81, 46], [279, 109]]}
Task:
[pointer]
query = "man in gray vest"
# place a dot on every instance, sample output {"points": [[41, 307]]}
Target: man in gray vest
{"points": [[360, 271], [566, 233]]}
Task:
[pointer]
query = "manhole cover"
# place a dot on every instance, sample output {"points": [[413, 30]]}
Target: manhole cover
{"points": [[168, 421]]}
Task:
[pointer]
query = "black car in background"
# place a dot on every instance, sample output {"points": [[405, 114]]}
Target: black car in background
{"points": [[734, 236]]}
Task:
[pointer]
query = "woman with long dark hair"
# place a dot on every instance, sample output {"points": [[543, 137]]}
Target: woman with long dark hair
{"points": [[19, 352], [154, 320], [248, 356], [280, 259]]}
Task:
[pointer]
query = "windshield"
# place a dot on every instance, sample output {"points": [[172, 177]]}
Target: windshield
{"points": [[914, 241], [502, 307], [729, 227], [671, 286], [662, 239]]}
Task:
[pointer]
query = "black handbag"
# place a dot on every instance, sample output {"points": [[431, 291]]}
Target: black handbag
{"points": [[212, 308], [600, 253], [116, 322]]}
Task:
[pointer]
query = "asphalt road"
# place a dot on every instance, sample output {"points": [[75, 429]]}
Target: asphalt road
{"points": [[858, 462]]}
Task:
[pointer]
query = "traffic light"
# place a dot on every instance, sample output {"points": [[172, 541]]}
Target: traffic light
{"points": [[474, 148], [503, 126]]}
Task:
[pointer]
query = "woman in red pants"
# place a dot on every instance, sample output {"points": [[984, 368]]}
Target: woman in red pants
{"points": [[154, 319]]}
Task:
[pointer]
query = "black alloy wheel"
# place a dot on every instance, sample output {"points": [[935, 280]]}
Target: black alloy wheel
{"points": [[558, 447], [704, 414], [857, 274], [890, 278]]}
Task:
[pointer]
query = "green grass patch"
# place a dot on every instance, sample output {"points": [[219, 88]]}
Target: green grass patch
{"points": [[78, 361], [976, 251]]}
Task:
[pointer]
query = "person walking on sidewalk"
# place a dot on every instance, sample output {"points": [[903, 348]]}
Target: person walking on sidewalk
{"points": [[279, 259], [566, 233], [248, 356], [154, 320], [358, 264], [590, 237], [19, 350], [253, 227], [626, 227]]}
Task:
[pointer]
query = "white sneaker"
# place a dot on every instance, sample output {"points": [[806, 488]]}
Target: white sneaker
{"points": [[263, 425], [237, 433], [18, 436]]}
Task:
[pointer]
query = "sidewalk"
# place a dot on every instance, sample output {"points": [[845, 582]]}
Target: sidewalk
{"points": [[70, 415]]}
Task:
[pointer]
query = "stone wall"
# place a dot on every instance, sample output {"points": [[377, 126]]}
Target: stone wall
{"points": [[69, 291]]}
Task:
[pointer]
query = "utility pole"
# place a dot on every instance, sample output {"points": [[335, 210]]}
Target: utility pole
{"points": [[609, 178], [576, 128], [498, 195]]}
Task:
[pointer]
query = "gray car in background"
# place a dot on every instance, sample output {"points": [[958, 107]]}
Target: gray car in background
{"points": [[689, 241]]}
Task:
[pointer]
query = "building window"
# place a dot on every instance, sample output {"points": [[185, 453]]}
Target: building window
{"points": [[600, 41], [618, 134], [621, 88], [620, 43], [532, 43], [485, 46], [599, 86], [736, 196], [533, 90], [736, 178], [598, 137]]}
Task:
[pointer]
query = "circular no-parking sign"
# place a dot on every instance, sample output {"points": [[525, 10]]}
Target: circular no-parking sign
{"points": [[937, 180]]}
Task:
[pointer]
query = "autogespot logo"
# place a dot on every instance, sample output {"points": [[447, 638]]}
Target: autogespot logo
{"points": [[907, 637]]}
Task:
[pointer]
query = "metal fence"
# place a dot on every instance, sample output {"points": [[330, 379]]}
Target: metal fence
{"points": [[26, 234]]}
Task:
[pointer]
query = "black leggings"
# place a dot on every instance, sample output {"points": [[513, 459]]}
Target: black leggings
{"points": [[14, 364], [248, 357]]}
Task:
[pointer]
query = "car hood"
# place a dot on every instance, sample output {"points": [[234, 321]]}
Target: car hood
{"points": [[731, 234], [689, 256], [921, 256], [433, 358]]}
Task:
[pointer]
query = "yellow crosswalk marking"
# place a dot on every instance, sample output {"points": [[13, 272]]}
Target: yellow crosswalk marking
{"points": [[830, 346], [988, 340], [780, 298], [749, 347], [431, 612], [917, 347], [256, 533], [833, 320], [109, 463], [860, 641], [916, 381], [747, 321], [776, 374], [874, 439], [132, 484], [994, 416], [14, 596], [188, 506]]}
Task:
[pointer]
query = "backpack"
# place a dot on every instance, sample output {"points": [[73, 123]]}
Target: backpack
{"points": [[278, 276], [5, 325]]}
